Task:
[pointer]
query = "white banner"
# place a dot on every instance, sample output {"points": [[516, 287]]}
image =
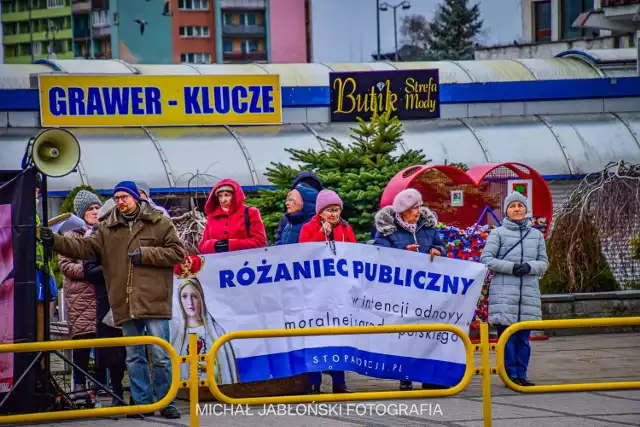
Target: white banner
{"points": [[306, 286]]}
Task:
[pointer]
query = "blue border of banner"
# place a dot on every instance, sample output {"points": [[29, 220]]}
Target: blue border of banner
{"points": [[459, 93], [378, 365]]}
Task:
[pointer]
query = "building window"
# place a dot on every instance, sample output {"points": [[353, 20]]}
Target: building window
{"points": [[37, 48], [193, 4], [197, 31], [250, 46], [250, 19], [569, 12], [54, 3], [542, 21], [227, 46], [227, 19], [99, 18], [195, 58]]}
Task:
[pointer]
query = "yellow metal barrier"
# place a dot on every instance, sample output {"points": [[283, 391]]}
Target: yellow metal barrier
{"points": [[346, 330], [562, 324], [35, 347]]}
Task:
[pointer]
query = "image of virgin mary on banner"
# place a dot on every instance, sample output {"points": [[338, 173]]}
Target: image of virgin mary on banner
{"points": [[195, 318]]}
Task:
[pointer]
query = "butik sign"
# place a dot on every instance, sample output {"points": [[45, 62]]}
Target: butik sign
{"points": [[408, 94]]}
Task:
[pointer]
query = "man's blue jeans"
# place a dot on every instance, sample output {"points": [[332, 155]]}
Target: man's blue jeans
{"points": [[138, 365], [516, 353]]}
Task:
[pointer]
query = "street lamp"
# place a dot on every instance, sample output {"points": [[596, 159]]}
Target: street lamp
{"points": [[385, 7]]}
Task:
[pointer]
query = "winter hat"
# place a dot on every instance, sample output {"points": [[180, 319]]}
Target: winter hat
{"points": [[327, 198], [83, 201], [514, 197], [407, 199], [106, 209], [144, 187], [128, 187], [228, 188]]}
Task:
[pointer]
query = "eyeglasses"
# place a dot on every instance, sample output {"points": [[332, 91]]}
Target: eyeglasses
{"points": [[333, 211], [123, 198]]}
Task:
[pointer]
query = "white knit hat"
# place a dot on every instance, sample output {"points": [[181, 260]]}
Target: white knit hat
{"points": [[407, 199]]}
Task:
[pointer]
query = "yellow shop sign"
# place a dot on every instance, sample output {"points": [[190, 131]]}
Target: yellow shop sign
{"points": [[138, 100]]}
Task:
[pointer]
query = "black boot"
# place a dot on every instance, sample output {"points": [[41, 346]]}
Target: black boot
{"points": [[340, 388], [525, 382], [406, 385]]}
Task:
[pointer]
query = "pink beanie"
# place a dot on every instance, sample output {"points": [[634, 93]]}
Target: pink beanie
{"points": [[327, 198], [407, 199]]}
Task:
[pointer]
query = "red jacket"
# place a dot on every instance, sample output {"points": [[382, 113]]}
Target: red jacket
{"points": [[312, 232], [231, 225]]}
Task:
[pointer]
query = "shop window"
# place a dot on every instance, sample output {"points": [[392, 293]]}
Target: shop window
{"points": [[569, 12], [542, 21]]}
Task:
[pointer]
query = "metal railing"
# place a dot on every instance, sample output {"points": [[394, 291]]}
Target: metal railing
{"points": [[243, 30], [194, 359]]}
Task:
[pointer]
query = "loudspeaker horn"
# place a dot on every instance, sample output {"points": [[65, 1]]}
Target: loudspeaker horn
{"points": [[55, 152]]}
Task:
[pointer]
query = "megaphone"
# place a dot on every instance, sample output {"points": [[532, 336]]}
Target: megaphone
{"points": [[55, 152]]}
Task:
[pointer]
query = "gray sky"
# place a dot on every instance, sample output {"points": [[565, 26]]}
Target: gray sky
{"points": [[345, 30]]}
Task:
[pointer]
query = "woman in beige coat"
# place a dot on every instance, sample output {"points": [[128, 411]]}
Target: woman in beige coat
{"points": [[80, 295]]}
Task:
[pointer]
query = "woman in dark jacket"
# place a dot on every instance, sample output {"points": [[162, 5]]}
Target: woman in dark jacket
{"points": [[409, 225], [304, 179], [301, 207], [112, 358]]}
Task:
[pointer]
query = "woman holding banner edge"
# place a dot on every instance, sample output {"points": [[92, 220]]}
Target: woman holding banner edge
{"points": [[328, 226], [409, 225]]}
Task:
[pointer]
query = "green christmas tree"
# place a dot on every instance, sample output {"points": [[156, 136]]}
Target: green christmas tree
{"points": [[358, 172], [450, 35]]}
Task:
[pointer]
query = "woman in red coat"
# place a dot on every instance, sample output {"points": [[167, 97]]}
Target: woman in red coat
{"points": [[231, 225], [327, 226]]}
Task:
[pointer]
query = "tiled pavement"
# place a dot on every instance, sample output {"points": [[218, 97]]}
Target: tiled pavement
{"points": [[595, 358]]}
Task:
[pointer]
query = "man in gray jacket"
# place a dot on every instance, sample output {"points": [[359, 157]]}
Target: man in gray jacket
{"points": [[517, 255]]}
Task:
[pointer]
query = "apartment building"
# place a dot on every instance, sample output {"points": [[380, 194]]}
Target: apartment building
{"points": [[550, 27], [36, 29], [91, 29]]}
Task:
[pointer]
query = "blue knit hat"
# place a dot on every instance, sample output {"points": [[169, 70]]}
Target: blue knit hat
{"points": [[128, 187]]}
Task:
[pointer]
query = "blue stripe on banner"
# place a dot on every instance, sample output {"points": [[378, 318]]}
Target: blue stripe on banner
{"points": [[378, 365], [458, 93]]}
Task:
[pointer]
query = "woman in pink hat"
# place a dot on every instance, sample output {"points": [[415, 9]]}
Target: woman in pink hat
{"points": [[327, 226]]}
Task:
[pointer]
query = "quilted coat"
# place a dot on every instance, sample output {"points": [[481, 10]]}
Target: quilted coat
{"points": [[513, 299], [79, 295]]}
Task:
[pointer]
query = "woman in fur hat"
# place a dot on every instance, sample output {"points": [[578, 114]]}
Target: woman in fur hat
{"points": [[409, 225]]}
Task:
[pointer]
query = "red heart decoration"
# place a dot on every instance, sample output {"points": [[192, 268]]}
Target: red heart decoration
{"points": [[483, 185]]}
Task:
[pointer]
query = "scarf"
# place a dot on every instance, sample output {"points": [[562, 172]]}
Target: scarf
{"points": [[522, 223], [411, 228], [131, 217]]}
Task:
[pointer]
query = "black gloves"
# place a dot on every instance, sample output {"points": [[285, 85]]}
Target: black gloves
{"points": [[46, 236], [521, 270], [136, 257], [221, 246]]}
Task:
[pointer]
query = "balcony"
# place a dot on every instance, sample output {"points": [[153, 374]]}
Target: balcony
{"points": [[243, 30], [244, 56], [243, 4], [36, 14], [26, 59], [610, 3], [101, 32], [37, 36], [82, 6]]}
